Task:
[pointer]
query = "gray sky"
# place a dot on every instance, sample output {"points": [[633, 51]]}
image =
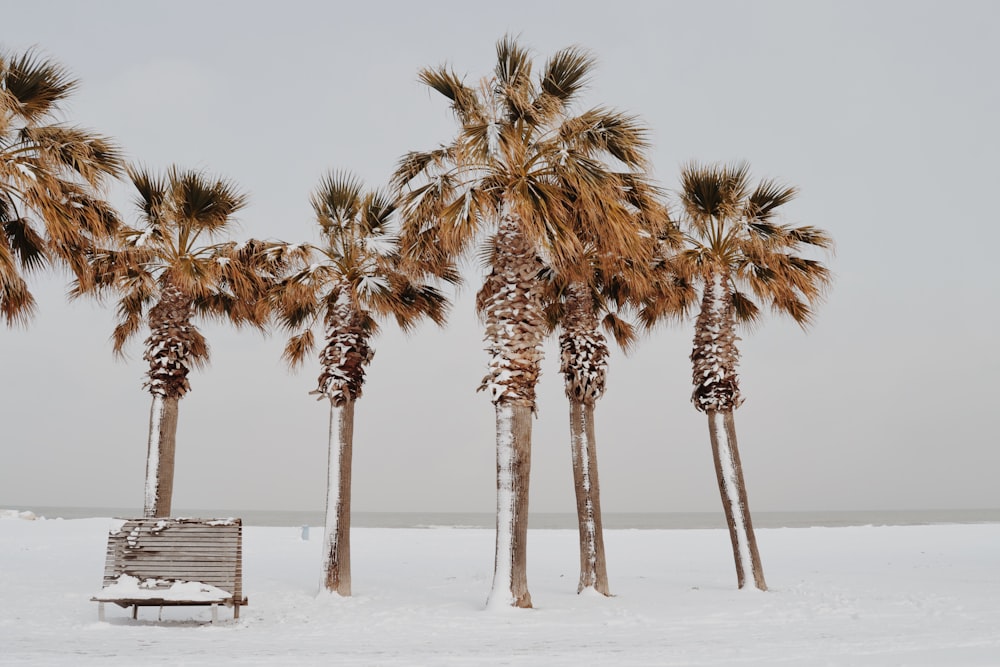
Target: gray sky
{"points": [[884, 114]]}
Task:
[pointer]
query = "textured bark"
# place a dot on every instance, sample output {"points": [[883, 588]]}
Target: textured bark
{"points": [[511, 303], [343, 361], [346, 354], [173, 344], [717, 393], [510, 572], [160, 457], [729, 472], [583, 363], [512, 306], [714, 355], [583, 348], [337, 536], [593, 564]]}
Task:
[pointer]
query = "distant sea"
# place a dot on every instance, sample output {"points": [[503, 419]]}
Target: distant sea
{"points": [[612, 520]]}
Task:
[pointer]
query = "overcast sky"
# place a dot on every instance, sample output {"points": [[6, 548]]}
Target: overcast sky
{"points": [[884, 114]]}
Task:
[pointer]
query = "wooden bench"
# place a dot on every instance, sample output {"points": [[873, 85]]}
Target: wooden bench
{"points": [[174, 562]]}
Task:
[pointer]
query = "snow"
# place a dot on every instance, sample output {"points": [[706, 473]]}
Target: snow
{"points": [[730, 489], [855, 596], [503, 574], [581, 449], [333, 465], [127, 587], [152, 489]]}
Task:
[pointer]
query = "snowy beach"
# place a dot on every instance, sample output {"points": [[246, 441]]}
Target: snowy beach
{"points": [[888, 595]]}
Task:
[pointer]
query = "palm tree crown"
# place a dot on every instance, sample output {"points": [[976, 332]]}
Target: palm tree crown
{"points": [[517, 174], [50, 179], [173, 267], [349, 282], [745, 261]]}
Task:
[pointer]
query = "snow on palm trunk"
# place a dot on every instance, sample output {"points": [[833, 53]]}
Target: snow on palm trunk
{"points": [[337, 536], [511, 304], [584, 354], [510, 577], [729, 473], [593, 564], [717, 393], [343, 361], [172, 345], [160, 456]]}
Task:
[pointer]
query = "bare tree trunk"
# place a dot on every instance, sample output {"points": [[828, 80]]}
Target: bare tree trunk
{"points": [[160, 456], [593, 566], [729, 471], [337, 536], [510, 574]]}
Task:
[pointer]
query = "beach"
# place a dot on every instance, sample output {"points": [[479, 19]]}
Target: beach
{"points": [[860, 595]]}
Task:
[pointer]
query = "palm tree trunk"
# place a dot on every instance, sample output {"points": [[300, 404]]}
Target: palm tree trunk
{"points": [[510, 574], [172, 347], [160, 456], [511, 303], [593, 566], [729, 472], [337, 536], [584, 365]]}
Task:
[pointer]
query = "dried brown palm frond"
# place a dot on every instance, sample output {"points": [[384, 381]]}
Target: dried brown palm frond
{"points": [[51, 178]]}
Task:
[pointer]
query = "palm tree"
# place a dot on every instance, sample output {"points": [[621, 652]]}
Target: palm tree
{"points": [[743, 260], [580, 309], [510, 179], [165, 273], [51, 175], [348, 283]]}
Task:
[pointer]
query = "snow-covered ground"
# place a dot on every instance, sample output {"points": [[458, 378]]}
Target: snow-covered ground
{"points": [[913, 595]]}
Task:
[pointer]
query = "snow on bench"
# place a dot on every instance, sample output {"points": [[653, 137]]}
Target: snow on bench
{"points": [[174, 562]]}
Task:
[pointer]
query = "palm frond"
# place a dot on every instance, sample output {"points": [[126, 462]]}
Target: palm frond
{"points": [[566, 73], [747, 312], [74, 151], [17, 305], [35, 84], [25, 243], [766, 198], [336, 201], [464, 100], [621, 330], [298, 348], [151, 192], [201, 203], [512, 80]]}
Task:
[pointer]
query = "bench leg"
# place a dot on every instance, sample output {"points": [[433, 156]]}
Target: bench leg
{"points": [[135, 611], [100, 612], [215, 614], [236, 612]]}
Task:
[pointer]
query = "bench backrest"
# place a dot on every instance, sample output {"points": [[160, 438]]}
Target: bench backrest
{"points": [[203, 550]]}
